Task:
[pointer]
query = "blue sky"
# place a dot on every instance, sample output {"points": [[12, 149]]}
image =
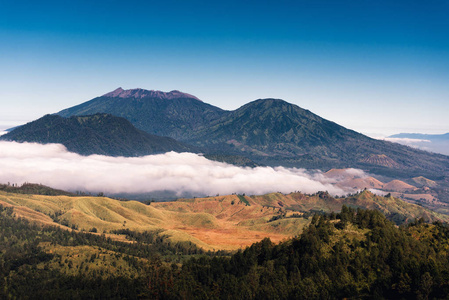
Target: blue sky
{"points": [[378, 67]]}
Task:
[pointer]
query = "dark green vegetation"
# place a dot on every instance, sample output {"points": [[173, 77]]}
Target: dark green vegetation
{"points": [[352, 254], [267, 131], [96, 134], [243, 199], [237, 160], [33, 189], [52, 263]]}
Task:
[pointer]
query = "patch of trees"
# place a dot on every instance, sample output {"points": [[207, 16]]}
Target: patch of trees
{"points": [[329, 261], [160, 242], [28, 271], [33, 188], [243, 199]]}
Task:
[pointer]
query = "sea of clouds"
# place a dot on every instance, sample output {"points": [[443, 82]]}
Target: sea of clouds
{"points": [[180, 173]]}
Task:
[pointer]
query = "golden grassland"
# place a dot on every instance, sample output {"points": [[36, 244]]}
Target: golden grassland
{"points": [[222, 222]]}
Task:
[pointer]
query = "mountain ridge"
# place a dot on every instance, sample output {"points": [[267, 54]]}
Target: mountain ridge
{"points": [[267, 131], [141, 93], [151, 112], [102, 134]]}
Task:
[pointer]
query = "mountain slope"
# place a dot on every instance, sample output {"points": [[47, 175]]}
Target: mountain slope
{"points": [[272, 131], [173, 114], [96, 134], [267, 131]]}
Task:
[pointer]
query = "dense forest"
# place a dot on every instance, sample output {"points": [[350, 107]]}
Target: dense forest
{"points": [[352, 254]]}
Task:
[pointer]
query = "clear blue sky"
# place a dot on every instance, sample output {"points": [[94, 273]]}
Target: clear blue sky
{"points": [[372, 66]]}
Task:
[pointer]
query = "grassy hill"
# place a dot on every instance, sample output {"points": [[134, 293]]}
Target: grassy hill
{"points": [[352, 254], [221, 222]]}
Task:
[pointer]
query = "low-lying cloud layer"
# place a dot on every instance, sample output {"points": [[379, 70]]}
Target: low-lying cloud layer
{"points": [[438, 146], [54, 166], [415, 143]]}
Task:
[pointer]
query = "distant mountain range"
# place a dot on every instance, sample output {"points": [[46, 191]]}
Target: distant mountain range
{"points": [[267, 131], [95, 134]]}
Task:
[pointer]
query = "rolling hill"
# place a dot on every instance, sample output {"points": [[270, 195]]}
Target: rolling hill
{"points": [[222, 222], [95, 134], [267, 131]]}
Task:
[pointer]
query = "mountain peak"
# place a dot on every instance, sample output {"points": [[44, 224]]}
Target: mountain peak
{"points": [[114, 93], [139, 93]]}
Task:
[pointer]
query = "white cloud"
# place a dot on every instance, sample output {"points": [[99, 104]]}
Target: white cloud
{"points": [[54, 166], [378, 192], [407, 141]]}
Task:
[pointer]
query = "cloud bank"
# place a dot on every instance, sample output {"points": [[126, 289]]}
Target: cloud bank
{"points": [[181, 173], [416, 143]]}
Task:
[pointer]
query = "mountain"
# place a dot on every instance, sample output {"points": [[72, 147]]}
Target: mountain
{"points": [[95, 134], [267, 131], [273, 131], [173, 114]]}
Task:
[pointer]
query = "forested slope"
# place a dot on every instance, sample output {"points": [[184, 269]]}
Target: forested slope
{"points": [[354, 254]]}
